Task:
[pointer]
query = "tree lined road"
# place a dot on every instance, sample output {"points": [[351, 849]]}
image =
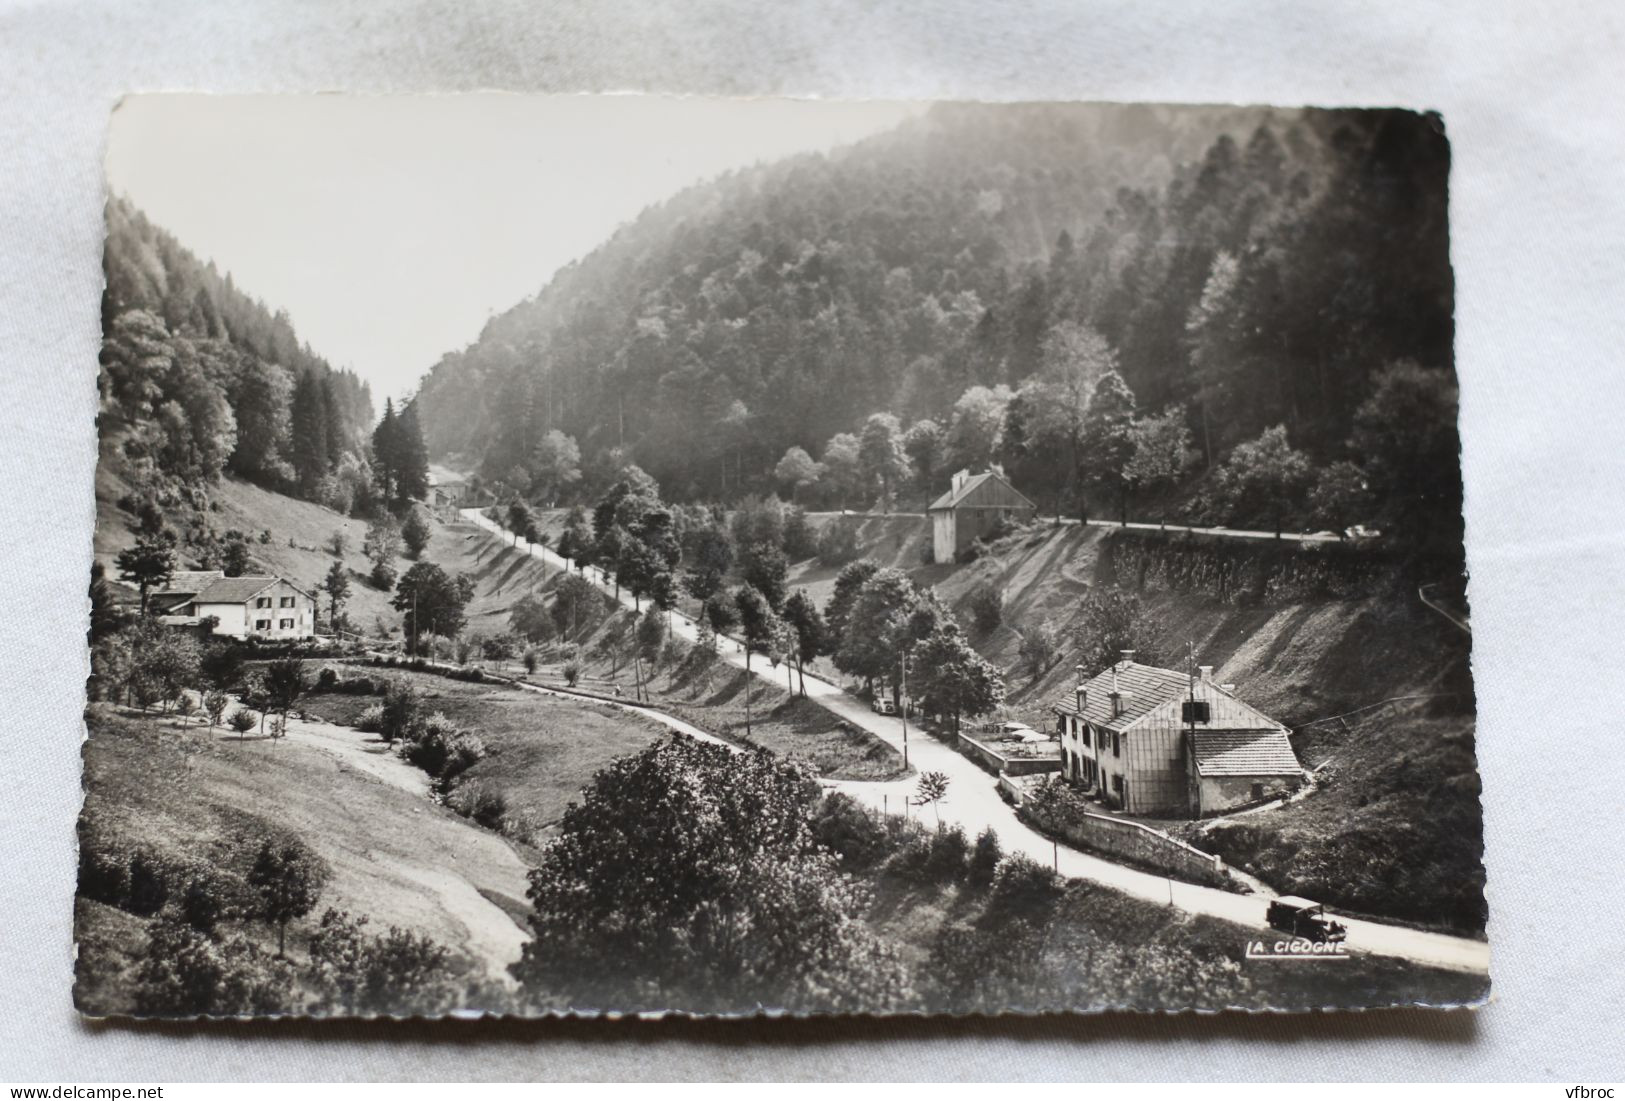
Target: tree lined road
{"points": [[1133, 525], [973, 802]]}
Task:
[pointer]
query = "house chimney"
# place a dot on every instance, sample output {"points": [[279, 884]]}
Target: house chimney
{"points": [[1082, 690], [960, 478], [1207, 673], [1127, 656]]}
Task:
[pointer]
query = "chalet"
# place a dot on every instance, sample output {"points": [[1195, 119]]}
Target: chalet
{"points": [[243, 607], [974, 505], [1165, 743]]}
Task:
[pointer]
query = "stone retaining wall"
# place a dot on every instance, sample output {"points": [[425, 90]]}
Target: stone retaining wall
{"points": [[999, 764], [1133, 842]]}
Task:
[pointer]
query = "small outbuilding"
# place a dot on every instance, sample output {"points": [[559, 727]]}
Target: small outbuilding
{"points": [[974, 506]]}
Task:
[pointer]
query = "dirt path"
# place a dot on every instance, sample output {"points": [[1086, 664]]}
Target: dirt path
{"points": [[366, 753], [489, 934]]}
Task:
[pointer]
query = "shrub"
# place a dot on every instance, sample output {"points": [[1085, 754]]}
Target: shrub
{"points": [[488, 808], [149, 885], [184, 972], [985, 857], [371, 720], [572, 672], [243, 720], [950, 850], [382, 576], [442, 750], [104, 871], [838, 543], [986, 608], [400, 710], [327, 680], [210, 897], [398, 972], [911, 861], [1023, 889], [851, 831]]}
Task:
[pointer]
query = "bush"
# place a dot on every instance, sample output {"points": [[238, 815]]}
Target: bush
{"points": [[398, 972], [184, 972], [800, 541], [488, 808], [851, 831], [382, 576], [242, 720], [986, 608], [985, 857], [400, 710], [371, 720], [950, 850], [149, 884], [838, 542], [442, 750], [104, 871], [212, 896], [1023, 889], [911, 861]]}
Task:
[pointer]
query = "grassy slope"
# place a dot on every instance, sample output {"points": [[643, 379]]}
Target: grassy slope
{"points": [[193, 797], [543, 750]]}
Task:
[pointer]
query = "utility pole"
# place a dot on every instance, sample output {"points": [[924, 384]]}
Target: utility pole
{"points": [[905, 712], [747, 693]]}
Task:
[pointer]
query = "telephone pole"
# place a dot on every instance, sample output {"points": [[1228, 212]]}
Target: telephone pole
{"points": [[904, 709]]}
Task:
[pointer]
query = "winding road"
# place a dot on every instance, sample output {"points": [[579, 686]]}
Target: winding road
{"points": [[973, 802]]}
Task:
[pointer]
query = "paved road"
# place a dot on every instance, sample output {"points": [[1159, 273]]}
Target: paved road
{"points": [[973, 802], [1227, 533]]}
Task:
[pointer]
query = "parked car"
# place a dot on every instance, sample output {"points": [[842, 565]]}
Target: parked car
{"points": [[884, 706], [1304, 918]]}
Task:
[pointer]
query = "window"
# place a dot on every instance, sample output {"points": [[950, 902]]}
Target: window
{"points": [[262, 625], [286, 602], [285, 624], [1083, 733], [263, 602], [1117, 786]]}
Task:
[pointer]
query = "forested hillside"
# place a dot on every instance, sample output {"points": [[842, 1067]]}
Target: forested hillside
{"points": [[199, 379], [1107, 300]]}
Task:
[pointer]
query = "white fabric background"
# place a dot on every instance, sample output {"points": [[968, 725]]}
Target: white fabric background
{"points": [[1531, 100]]}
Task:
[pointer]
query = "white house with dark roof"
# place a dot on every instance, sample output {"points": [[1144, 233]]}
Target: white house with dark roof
{"points": [[1165, 743], [974, 505], [244, 607]]}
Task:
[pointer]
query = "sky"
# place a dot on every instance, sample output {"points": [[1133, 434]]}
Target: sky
{"points": [[390, 228]]}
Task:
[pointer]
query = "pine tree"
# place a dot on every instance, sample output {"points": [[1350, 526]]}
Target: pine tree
{"points": [[386, 452], [308, 446], [411, 458]]}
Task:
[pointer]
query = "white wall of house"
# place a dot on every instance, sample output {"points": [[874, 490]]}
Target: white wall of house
{"points": [[281, 611], [233, 618]]}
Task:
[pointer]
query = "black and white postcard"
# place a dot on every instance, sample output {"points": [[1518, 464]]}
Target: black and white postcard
{"points": [[638, 555]]}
